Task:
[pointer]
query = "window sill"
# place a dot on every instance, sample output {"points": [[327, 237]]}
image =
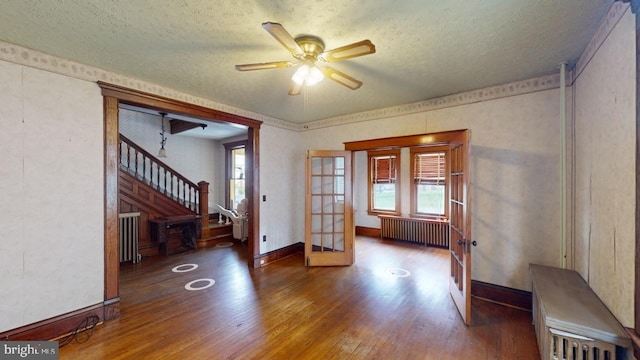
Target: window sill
{"points": [[388, 213]]}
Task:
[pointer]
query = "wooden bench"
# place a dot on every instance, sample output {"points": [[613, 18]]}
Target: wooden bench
{"points": [[571, 322]]}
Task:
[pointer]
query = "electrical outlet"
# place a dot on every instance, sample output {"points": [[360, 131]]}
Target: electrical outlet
{"points": [[264, 238], [264, 198]]}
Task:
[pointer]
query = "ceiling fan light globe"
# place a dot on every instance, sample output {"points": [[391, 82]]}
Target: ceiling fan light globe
{"points": [[301, 74], [314, 77]]}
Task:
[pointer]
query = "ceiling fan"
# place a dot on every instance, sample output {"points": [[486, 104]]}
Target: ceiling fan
{"points": [[309, 51]]}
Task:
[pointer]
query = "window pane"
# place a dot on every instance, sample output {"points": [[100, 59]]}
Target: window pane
{"points": [[384, 197], [430, 199], [236, 177]]}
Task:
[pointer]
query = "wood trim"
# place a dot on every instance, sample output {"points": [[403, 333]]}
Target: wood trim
{"points": [[111, 309], [150, 101], [178, 126], [111, 162], [271, 256], [367, 231], [54, 327], [252, 154], [635, 5], [635, 341], [228, 147], [398, 190], [515, 298], [440, 138], [413, 151]]}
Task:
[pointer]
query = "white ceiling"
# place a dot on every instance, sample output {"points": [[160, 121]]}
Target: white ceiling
{"points": [[425, 48]]}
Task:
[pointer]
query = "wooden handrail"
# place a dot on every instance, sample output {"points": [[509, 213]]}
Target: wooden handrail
{"points": [[172, 183]]}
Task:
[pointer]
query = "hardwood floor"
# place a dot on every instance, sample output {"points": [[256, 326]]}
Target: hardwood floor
{"points": [[287, 311]]}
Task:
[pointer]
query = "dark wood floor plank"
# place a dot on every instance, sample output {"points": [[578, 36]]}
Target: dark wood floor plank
{"points": [[288, 311]]}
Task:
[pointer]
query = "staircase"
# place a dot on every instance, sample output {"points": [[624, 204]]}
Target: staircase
{"points": [[151, 187]]}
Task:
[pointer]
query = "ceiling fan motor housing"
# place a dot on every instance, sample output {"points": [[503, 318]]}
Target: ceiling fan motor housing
{"points": [[311, 45]]}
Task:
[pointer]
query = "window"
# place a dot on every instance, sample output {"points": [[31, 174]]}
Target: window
{"points": [[384, 181], [236, 173], [429, 174]]}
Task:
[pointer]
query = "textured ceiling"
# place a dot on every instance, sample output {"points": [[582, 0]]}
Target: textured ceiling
{"points": [[425, 48]]}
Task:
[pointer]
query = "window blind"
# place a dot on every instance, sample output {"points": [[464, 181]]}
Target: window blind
{"points": [[429, 169], [383, 169]]}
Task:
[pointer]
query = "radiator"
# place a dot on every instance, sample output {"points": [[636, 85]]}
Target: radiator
{"points": [[128, 245], [421, 231], [564, 345], [570, 321]]}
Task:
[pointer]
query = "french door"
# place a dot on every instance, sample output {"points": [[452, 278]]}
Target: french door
{"points": [[460, 225], [329, 230]]}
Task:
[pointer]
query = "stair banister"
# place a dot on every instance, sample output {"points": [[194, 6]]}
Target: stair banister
{"points": [[192, 195]]}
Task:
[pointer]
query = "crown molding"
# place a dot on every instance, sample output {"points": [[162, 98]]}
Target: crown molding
{"points": [[485, 94]]}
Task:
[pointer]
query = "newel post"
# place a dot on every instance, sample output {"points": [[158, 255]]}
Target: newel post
{"points": [[204, 206]]}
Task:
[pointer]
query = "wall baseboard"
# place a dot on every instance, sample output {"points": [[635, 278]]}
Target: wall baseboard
{"points": [[515, 298], [367, 231], [271, 256], [57, 326]]}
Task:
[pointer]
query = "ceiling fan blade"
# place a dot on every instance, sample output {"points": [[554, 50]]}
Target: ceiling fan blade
{"points": [[295, 88], [277, 31], [263, 66], [342, 78], [360, 48]]}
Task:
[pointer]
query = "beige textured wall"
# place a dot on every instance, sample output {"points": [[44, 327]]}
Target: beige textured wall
{"points": [[52, 148], [282, 177], [605, 132]]}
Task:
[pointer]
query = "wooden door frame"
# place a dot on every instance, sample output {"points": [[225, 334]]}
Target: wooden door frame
{"points": [[113, 96]]}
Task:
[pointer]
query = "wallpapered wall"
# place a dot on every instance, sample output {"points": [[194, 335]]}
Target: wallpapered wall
{"points": [[52, 158], [605, 140]]}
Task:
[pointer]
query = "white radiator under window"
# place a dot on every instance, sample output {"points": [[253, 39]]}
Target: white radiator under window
{"points": [[128, 244]]}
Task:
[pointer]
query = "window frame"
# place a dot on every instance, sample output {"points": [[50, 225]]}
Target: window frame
{"points": [[417, 150], [377, 153], [228, 171]]}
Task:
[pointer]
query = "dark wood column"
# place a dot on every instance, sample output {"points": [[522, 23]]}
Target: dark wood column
{"points": [[111, 262]]}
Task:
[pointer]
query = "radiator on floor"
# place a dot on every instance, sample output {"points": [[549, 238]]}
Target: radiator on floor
{"points": [[421, 231], [564, 345], [128, 245], [570, 320]]}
